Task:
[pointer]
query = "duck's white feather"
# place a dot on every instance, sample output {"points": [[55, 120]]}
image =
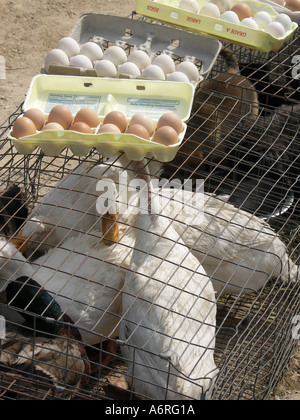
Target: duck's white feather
{"points": [[12, 264], [239, 251], [84, 276], [70, 206]]}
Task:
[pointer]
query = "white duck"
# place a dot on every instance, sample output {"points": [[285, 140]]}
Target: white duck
{"points": [[83, 275], [169, 316]]}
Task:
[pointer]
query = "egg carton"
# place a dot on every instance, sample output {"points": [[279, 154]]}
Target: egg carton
{"points": [[169, 11], [154, 98], [131, 34], [295, 16]]}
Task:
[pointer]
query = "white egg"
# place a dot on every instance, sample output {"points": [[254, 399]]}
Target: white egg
{"points": [[105, 68], [92, 50], [116, 55], [210, 10], [223, 5], [263, 19], [190, 70], [140, 58], [81, 61], [56, 57], [69, 46], [189, 5], [128, 69], [275, 29], [231, 17], [165, 62], [178, 76], [250, 23], [285, 21], [153, 72]]}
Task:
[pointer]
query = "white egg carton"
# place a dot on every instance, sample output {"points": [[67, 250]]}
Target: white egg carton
{"points": [[154, 98], [132, 34]]}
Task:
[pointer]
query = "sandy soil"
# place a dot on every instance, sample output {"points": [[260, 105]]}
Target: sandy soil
{"points": [[31, 28]]}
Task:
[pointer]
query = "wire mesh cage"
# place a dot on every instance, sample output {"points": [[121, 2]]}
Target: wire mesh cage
{"points": [[196, 301]]}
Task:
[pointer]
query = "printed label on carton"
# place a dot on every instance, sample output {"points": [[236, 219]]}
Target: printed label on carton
{"points": [[153, 9], [191, 19], [153, 107], [74, 102], [236, 32]]}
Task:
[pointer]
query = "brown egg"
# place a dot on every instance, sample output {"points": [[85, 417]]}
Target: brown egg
{"points": [[117, 118], [53, 126], [108, 128], [23, 127], [242, 10], [37, 116], [88, 116], [293, 5], [166, 136], [62, 115], [171, 120], [81, 127], [138, 130], [143, 119]]}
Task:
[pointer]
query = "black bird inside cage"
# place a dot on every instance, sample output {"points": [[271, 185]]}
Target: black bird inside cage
{"points": [[194, 301]]}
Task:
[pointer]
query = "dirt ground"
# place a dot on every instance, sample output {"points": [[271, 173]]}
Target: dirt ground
{"points": [[31, 28]]}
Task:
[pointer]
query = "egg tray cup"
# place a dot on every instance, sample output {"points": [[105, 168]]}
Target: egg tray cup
{"points": [[295, 16], [164, 10], [154, 98], [131, 34]]}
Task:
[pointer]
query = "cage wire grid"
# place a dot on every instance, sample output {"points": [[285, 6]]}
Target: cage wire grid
{"points": [[255, 168]]}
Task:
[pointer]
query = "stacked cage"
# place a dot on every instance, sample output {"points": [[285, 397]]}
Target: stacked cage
{"points": [[198, 302]]}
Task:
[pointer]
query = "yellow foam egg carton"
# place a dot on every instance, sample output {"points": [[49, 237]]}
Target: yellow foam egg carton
{"points": [[154, 98], [169, 11]]}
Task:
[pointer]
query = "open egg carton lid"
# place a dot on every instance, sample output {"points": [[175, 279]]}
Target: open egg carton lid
{"points": [[131, 34], [103, 95], [295, 16], [170, 11]]}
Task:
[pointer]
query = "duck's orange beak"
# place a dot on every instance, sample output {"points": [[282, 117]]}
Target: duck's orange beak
{"points": [[110, 229], [21, 242]]}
